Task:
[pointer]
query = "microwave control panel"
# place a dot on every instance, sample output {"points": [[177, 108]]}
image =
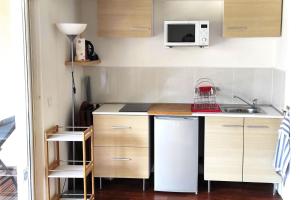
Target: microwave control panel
{"points": [[203, 33]]}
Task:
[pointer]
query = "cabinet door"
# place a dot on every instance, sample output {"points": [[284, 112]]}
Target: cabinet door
{"points": [[260, 137], [223, 149], [125, 18], [252, 18]]}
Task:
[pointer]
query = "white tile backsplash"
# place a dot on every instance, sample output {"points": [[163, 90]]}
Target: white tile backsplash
{"points": [[253, 83], [176, 85], [278, 92]]}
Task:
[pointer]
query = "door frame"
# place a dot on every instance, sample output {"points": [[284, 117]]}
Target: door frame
{"points": [[29, 102]]}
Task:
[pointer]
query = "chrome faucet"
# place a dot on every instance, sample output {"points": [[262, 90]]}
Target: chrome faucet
{"points": [[253, 104]]}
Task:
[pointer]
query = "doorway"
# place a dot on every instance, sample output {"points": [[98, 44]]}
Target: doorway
{"points": [[15, 102]]}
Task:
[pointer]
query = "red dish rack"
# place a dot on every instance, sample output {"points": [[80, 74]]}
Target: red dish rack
{"points": [[205, 97]]}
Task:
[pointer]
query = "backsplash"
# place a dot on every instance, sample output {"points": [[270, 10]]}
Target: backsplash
{"points": [[176, 85], [278, 93]]}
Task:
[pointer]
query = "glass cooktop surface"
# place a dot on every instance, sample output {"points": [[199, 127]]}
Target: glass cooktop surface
{"points": [[135, 107]]}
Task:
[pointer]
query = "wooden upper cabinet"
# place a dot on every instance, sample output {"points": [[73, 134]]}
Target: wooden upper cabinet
{"points": [[125, 18], [252, 18]]}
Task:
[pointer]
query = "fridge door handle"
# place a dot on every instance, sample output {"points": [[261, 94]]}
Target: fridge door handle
{"points": [[176, 118]]}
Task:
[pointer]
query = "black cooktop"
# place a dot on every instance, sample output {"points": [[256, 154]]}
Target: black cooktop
{"points": [[135, 107]]}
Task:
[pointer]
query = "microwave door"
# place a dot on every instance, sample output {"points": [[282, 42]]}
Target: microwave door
{"points": [[183, 34]]}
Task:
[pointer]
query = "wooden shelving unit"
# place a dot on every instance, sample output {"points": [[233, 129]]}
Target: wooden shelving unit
{"points": [[58, 169], [83, 63]]}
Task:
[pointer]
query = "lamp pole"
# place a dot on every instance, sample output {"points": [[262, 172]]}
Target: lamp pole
{"points": [[72, 38]]}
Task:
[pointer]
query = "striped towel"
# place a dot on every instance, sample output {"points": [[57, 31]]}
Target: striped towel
{"points": [[282, 154]]}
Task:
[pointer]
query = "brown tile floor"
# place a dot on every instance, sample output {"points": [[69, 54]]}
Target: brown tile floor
{"points": [[132, 190]]}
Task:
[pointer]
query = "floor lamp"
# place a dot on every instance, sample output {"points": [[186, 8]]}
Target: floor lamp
{"points": [[72, 30]]}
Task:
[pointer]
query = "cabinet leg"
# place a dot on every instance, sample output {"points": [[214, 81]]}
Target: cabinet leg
{"points": [[100, 183], [274, 189], [144, 185], [208, 186]]}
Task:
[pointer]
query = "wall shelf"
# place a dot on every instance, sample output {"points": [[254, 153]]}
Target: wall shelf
{"points": [[83, 63]]}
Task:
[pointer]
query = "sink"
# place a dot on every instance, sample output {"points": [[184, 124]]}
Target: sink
{"points": [[247, 110]]}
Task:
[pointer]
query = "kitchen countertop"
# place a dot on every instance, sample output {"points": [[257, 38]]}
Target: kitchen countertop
{"points": [[170, 109], [183, 110], [113, 109]]}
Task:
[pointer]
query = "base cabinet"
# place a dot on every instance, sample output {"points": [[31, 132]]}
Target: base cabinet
{"points": [[121, 146], [240, 149]]}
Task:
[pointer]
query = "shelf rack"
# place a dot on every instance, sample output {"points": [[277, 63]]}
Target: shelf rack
{"points": [[58, 168]]}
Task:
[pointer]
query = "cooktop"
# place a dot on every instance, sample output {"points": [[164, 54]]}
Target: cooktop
{"points": [[135, 107]]}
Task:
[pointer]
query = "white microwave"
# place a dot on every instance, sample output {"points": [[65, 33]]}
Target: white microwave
{"points": [[186, 33]]}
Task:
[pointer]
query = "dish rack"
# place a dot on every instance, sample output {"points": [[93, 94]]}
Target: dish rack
{"points": [[205, 96]]}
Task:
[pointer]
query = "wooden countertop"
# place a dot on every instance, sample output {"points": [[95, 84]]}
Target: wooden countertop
{"points": [[170, 109]]}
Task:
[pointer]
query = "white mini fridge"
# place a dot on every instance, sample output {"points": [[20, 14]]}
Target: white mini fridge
{"points": [[176, 154]]}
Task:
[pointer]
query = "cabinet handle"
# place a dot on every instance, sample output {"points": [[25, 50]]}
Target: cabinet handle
{"points": [[237, 28], [232, 126], [139, 28], [121, 159], [258, 126], [121, 127]]}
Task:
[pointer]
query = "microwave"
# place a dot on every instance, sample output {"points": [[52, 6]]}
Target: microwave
{"points": [[186, 33]]}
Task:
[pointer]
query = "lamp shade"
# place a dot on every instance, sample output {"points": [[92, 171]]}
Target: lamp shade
{"points": [[71, 28]]}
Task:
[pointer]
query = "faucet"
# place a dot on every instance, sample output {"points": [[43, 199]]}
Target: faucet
{"points": [[253, 104]]}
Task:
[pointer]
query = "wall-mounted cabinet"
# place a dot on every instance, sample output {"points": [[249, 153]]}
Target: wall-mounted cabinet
{"points": [[125, 18], [252, 18]]}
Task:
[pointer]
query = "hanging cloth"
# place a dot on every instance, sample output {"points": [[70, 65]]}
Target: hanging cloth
{"points": [[283, 153]]}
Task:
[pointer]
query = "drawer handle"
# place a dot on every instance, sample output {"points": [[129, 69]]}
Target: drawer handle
{"points": [[121, 159], [258, 126], [232, 126], [121, 127]]}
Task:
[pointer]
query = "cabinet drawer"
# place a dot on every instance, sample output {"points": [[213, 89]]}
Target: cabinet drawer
{"points": [[113, 130], [260, 138], [121, 162]]}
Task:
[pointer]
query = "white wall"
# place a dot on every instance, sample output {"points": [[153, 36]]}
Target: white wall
{"points": [[288, 60], [51, 78], [150, 52]]}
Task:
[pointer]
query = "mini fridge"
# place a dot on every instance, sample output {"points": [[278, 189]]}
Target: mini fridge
{"points": [[176, 154]]}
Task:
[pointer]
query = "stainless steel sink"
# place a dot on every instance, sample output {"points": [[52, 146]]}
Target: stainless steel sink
{"points": [[247, 110]]}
